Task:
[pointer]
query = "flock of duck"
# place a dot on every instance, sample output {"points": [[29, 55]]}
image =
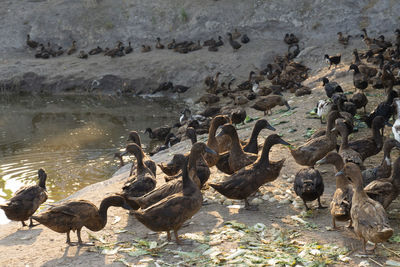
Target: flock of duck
{"points": [[184, 47], [361, 197]]}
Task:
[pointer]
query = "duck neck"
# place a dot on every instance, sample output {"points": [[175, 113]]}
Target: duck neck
{"points": [[140, 165], [42, 183], [264, 158], [329, 127], [236, 146], [187, 184], [377, 137], [345, 139], [356, 59], [105, 204], [250, 76], [212, 141], [254, 136]]}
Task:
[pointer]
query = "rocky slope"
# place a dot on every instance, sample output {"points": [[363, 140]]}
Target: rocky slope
{"points": [[103, 22]]}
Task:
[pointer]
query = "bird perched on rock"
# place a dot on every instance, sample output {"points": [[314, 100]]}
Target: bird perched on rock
{"points": [[331, 87]]}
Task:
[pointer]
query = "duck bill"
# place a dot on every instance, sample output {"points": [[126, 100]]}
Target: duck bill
{"points": [[287, 105], [123, 153], [339, 173], [209, 150], [221, 133], [283, 142], [270, 127], [320, 162], [388, 124], [333, 129]]}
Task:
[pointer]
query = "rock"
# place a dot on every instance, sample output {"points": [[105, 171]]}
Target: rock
{"points": [[285, 201], [364, 264], [256, 201], [272, 200]]}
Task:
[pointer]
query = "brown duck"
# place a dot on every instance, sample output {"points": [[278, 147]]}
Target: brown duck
{"points": [[73, 215], [372, 145], [235, 159], [384, 170], [385, 190], [348, 154], [315, 149], [368, 216], [248, 179], [212, 141], [266, 103], [143, 182], [174, 186], [252, 143], [134, 137], [341, 201], [26, 201]]}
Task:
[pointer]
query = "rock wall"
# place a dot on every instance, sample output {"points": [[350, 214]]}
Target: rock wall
{"points": [[104, 22]]}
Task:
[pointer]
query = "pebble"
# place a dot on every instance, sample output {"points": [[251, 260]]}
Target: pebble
{"points": [[284, 176], [392, 263], [272, 200], [228, 202], [290, 179], [364, 264], [266, 197], [285, 201], [256, 201], [277, 192]]}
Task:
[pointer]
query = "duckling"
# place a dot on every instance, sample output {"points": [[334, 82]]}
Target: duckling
{"points": [[236, 34], [341, 201], [235, 159], [159, 133], [384, 109], [238, 116], [175, 186], [248, 179], [72, 49], [31, 43], [385, 190], [171, 212], [335, 60], [146, 48], [315, 149], [331, 87], [360, 81], [309, 186], [26, 201], [370, 146], [95, 51], [143, 182], [344, 40], [359, 99], [129, 48], [245, 39], [268, 102], [159, 45], [235, 45], [219, 42], [134, 137], [83, 55], [346, 152], [368, 216], [73, 215], [212, 141], [385, 168]]}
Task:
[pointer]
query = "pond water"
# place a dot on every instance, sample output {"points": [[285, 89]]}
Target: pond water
{"points": [[73, 138]]}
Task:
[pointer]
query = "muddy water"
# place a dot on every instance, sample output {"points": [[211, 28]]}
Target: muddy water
{"points": [[73, 138]]}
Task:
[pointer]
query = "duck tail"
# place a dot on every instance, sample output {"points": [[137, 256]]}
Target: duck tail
{"points": [[215, 186], [385, 233]]}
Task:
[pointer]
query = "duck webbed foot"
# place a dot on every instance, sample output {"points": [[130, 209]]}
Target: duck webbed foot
{"points": [[23, 223], [31, 225], [247, 206], [305, 204]]}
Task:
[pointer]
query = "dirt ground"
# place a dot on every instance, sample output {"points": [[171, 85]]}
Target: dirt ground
{"points": [[280, 233]]}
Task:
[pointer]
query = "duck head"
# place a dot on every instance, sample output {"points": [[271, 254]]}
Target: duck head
{"points": [[264, 124], [42, 178], [325, 81]]}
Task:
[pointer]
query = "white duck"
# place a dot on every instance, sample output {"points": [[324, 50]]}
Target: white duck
{"points": [[323, 108], [396, 124]]}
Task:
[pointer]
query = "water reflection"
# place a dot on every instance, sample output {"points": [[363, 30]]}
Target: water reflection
{"points": [[72, 137]]}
